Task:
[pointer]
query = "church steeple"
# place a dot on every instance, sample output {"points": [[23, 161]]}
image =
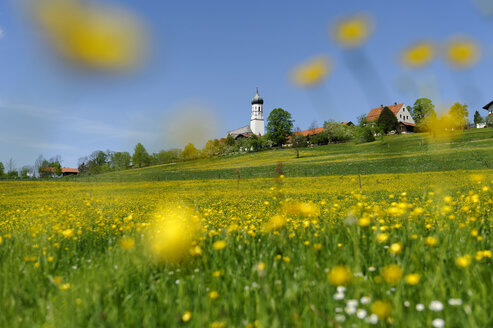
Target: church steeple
{"points": [[257, 119]]}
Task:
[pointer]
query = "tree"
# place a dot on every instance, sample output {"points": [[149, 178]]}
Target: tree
{"points": [[2, 170], [279, 125], [140, 156], [362, 120], [364, 134], [230, 140], [190, 152], [256, 143], [26, 172], [298, 141], [120, 160], [387, 120], [458, 114], [478, 118], [423, 114], [489, 120], [336, 132]]}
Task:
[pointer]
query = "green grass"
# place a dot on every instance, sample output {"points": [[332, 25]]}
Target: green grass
{"points": [[472, 149]]}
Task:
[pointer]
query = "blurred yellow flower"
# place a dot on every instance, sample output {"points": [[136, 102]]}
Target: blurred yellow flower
{"points": [[65, 286], [462, 52], [412, 278], [92, 35], [276, 222], [353, 31], [395, 248], [382, 309], [431, 241], [260, 266], [173, 233], [418, 55], [382, 237], [186, 316], [364, 221], [311, 73], [339, 275], [218, 245], [127, 243], [392, 273], [304, 209], [68, 233], [213, 295], [463, 261]]}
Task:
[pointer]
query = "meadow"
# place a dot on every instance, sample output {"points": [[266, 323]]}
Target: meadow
{"points": [[404, 250]]}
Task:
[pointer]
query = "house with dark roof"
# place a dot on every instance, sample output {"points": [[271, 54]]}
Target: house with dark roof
{"points": [[401, 112], [489, 108]]}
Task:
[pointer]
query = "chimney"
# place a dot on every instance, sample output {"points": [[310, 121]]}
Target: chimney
{"points": [[395, 103], [381, 106]]}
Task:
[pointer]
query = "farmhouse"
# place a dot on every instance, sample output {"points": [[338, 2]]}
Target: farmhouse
{"points": [[256, 120], [64, 171], [489, 108], [401, 112]]}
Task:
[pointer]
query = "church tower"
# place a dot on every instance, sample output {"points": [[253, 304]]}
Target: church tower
{"points": [[257, 120]]}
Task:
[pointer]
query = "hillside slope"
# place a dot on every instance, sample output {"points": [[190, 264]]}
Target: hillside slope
{"points": [[472, 149]]}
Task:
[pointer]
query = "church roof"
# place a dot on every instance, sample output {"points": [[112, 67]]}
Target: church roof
{"points": [[242, 130], [257, 99]]}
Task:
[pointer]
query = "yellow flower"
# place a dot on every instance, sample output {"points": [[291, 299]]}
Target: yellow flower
{"points": [[311, 73], [173, 234], [276, 222], [463, 261], [216, 274], [418, 55], [412, 278], [352, 32], [260, 266], [382, 309], [213, 295], [65, 286], [218, 245], [186, 316], [286, 259], [364, 221], [382, 237], [317, 246], [395, 248], [68, 233], [339, 275], [462, 53], [392, 273], [431, 241], [304, 209], [93, 36], [127, 243]]}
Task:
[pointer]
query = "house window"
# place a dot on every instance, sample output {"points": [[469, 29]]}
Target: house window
{"points": [[400, 115]]}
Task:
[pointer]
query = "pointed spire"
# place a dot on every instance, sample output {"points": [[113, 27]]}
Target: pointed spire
{"points": [[257, 89]]}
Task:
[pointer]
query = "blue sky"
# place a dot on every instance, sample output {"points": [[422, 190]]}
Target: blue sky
{"points": [[212, 55]]}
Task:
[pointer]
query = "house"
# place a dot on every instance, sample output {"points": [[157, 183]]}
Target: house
{"points": [[64, 171], [489, 108], [401, 112], [308, 133], [348, 123]]}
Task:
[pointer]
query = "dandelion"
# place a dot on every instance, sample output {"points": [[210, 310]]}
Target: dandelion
{"points": [[420, 307], [418, 55], [462, 52], [431, 241], [213, 295], [339, 275], [68, 233], [127, 243], [392, 273], [382, 237], [382, 309], [218, 245], [412, 278], [276, 222], [353, 31], [395, 248], [364, 221], [312, 72], [186, 316], [463, 261], [260, 267], [65, 286]]}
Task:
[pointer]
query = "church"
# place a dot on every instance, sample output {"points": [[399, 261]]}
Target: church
{"points": [[256, 121]]}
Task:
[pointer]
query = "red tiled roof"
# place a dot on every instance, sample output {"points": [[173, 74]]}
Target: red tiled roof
{"points": [[374, 114], [406, 123], [69, 170], [310, 132], [346, 123]]}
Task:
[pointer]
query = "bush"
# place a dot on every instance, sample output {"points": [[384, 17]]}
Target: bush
{"points": [[364, 134]]}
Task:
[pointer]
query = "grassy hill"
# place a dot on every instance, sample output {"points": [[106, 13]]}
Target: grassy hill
{"points": [[471, 149]]}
